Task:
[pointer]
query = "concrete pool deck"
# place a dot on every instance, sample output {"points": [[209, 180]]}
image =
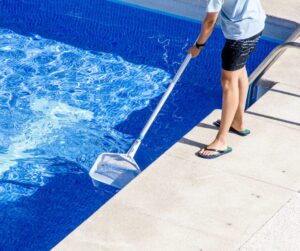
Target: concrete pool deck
{"points": [[248, 200], [186, 203]]}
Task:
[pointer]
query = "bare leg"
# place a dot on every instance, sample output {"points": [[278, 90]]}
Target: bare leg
{"points": [[238, 121], [230, 84]]}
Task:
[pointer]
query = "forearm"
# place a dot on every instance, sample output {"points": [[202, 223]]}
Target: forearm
{"points": [[206, 30]]}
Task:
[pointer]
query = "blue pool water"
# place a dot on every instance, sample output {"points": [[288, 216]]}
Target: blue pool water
{"points": [[79, 78]]}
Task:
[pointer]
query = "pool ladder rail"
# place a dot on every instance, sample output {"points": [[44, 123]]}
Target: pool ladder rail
{"points": [[268, 62]]}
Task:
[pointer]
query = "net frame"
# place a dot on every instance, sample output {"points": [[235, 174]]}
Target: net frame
{"points": [[114, 169]]}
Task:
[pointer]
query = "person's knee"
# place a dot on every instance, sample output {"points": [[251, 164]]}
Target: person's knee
{"points": [[227, 86], [230, 80], [228, 83]]}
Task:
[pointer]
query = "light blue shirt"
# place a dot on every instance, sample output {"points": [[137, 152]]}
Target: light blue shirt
{"points": [[240, 19]]}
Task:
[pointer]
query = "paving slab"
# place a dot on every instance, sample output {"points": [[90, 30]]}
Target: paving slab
{"points": [[280, 104], [281, 233], [286, 69], [111, 232], [193, 196]]}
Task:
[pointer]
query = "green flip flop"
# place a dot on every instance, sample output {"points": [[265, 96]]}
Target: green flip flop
{"points": [[240, 133], [217, 153]]}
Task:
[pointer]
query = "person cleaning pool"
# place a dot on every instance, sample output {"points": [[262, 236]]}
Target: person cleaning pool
{"points": [[242, 23]]}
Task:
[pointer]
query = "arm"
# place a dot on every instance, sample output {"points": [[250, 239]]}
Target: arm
{"points": [[206, 30]]}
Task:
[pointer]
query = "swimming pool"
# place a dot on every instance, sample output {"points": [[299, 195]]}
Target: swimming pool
{"points": [[79, 78]]}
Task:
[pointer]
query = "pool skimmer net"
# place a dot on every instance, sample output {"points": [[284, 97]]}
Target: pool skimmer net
{"points": [[117, 169]]}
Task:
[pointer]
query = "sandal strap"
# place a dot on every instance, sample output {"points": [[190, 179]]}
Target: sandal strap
{"points": [[217, 123], [215, 150]]}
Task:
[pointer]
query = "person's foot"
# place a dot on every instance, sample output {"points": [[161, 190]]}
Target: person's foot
{"points": [[238, 125], [217, 144]]}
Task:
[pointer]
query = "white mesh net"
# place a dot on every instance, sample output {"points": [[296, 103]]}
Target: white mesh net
{"points": [[114, 169]]}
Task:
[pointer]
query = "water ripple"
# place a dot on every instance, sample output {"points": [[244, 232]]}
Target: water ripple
{"points": [[59, 107]]}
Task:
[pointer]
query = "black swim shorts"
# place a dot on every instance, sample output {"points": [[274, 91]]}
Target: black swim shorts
{"points": [[236, 52]]}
